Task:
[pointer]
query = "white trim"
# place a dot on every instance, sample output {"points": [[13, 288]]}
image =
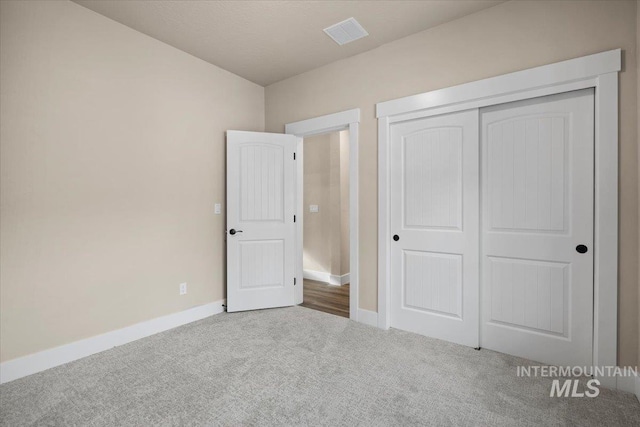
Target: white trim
{"points": [[547, 75], [37, 362], [354, 220], [599, 71], [318, 276], [368, 317], [323, 124], [345, 120], [605, 255], [326, 277], [498, 99], [627, 383], [384, 227]]}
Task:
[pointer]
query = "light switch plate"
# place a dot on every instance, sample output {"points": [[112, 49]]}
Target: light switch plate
{"points": [[314, 208], [217, 209]]}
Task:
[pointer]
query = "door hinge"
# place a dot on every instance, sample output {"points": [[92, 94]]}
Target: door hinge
{"points": [[294, 156], [294, 281], [294, 218]]}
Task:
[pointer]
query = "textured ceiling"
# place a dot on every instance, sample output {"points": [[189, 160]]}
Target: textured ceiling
{"points": [[268, 41]]}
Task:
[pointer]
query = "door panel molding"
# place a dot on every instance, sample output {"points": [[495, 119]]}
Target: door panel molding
{"points": [[537, 290], [599, 71], [435, 214], [260, 224]]}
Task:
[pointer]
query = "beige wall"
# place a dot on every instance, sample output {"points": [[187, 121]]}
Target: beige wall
{"points": [[317, 239], [112, 156], [112, 153], [638, 135], [325, 179], [511, 36]]}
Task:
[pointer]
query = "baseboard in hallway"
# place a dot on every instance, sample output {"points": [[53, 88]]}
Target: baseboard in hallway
{"points": [[325, 277]]}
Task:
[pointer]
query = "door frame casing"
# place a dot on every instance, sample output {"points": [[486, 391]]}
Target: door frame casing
{"points": [[344, 120], [599, 71]]}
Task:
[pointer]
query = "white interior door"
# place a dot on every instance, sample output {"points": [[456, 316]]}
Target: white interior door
{"points": [[260, 220], [537, 286], [435, 222]]}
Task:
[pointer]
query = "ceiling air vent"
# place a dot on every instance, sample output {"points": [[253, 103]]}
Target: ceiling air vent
{"points": [[346, 31]]}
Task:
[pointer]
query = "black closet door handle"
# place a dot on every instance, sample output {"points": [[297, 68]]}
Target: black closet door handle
{"points": [[396, 237], [582, 249], [233, 231]]}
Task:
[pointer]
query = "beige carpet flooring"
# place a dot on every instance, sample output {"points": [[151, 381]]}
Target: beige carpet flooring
{"points": [[296, 366]]}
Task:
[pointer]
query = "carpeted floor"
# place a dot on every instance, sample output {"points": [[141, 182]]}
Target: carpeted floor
{"points": [[296, 366]]}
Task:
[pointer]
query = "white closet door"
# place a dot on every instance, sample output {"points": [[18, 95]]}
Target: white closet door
{"points": [[260, 222], [537, 196], [435, 220]]}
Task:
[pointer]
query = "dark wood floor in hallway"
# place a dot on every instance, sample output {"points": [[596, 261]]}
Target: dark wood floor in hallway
{"points": [[327, 298]]}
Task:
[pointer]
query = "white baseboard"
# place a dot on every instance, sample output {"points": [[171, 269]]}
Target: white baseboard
{"points": [[326, 277], [630, 384], [344, 279], [27, 365], [627, 384], [626, 381], [318, 276], [367, 317]]}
